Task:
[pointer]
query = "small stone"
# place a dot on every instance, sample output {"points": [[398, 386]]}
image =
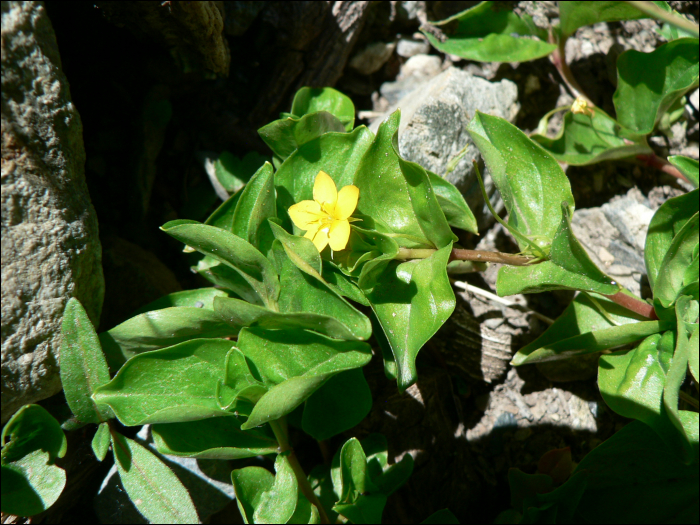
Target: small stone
{"points": [[372, 57], [606, 256], [408, 48]]}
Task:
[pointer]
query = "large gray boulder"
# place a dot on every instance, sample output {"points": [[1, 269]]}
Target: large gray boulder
{"points": [[434, 118], [50, 247]]}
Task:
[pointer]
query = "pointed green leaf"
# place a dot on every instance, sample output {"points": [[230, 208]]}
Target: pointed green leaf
{"points": [[232, 251], [83, 365], [412, 300], [299, 363], [153, 488], [311, 100], [161, 328], [452, 203], [101, 441], [342, 284], [664, 226], [32, 440], [337, 406], [578, 14], [530, 180], [222, 217], [199, 298], [649, 83], [569, 267], [214, 438], [226, 277], [277, 504], [681, 254], [693, 353], [240, 313], [588, 139], [250, 484], [585, 314], [489, 32], [256, 205], [687, 166], [233, 173], [284, 136], [171, 385], [383, 176]]}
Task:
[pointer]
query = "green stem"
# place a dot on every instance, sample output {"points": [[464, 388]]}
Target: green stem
{"points": [[672, 18], [460, 254], [558, 58], [279, 428], [689, 399]]}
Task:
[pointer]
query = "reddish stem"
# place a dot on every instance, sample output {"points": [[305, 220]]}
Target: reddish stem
{"points": [[635, 305], [657, 162]]}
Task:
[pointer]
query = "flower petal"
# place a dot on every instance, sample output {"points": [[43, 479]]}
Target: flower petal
{"points": [[324, 190], [319, 238], [347, 202], [306, 214], [339, 234]]}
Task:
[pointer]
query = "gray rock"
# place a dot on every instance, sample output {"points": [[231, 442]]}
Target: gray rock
{"points": [[407, 48], [614, 236], [372, 57], [50, 246], [433, 128], [416, 72]]}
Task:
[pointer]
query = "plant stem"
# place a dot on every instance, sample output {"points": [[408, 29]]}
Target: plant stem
{"points": [[662, 164], [672, 18], [460, 254], [558, 58], [689, 399], [633, 304], [279, 428]]}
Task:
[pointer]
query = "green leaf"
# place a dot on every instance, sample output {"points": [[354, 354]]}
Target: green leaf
{"points": [[82, 363], [31, 442], [634, 477], [298, 363], [368, 254], [649, 83], [632, 384], [338, 154], [231, 250], [214, 438], [222, 217], [412, 300], [199, 298], [586, 313], [171, 385], [664, 226], [311, 100], [250, 484], [240, 313], [687, 166], [452, 203], [226, 277], [383, 176], [676, 377], [257, 203], [322, 485], [233, 173], [342, 285], [153, 488], [337, 406], [489, 32], [530, 180], [101, 441], [277, 504], [286, 135], [578, 14], [589, 342], [585, 139], [304, 290], [569, 267], [693, 353], [161, 328], [681, 254]]}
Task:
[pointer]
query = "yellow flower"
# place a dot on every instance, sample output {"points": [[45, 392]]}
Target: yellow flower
{"points": [[326, 219]]}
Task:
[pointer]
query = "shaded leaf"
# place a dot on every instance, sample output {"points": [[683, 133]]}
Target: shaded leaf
{"points": [[311, 100], [233, 173], [286, 135], [578, 14], [687, 166], [101, 441], [255, 206], [681, 254], [452, 203]]}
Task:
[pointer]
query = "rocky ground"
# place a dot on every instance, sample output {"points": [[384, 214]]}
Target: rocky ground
{"points": [[471, 416]]}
